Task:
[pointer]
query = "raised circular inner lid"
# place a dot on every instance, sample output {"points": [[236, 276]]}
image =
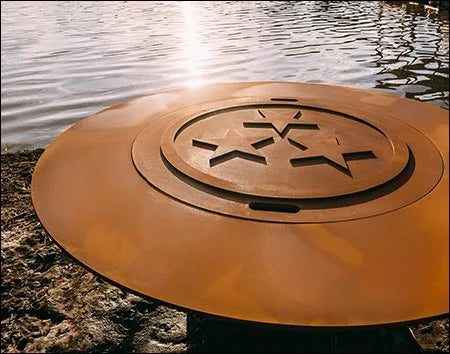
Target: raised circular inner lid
{"points": [[287, 162], [285, 152]]}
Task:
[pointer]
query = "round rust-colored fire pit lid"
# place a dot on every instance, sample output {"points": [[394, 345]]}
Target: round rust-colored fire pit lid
{"points": [[284, 203]]}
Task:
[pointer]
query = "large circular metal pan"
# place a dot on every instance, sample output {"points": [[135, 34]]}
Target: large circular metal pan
{"points": [[283, 203]]}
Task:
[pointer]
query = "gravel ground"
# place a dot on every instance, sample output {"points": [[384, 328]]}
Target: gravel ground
{"points": [[51, 304]]}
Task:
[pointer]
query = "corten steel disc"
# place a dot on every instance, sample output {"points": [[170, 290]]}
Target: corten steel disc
{"points": [[284, 203]]}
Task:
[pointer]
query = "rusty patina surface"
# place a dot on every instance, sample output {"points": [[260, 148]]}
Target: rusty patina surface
{"points": [[284, 203]]}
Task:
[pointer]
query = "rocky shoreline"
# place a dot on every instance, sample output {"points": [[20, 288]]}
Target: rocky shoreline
{"points": [[52, 304]]}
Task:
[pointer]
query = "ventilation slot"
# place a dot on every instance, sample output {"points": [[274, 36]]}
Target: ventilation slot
{"points": [[279, 208], [284, 99]]}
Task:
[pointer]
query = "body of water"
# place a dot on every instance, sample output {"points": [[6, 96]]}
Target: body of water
{"points": [[63, 61]]}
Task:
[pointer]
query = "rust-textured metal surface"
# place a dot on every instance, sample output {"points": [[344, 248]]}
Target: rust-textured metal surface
{"points": [[284, 203]]}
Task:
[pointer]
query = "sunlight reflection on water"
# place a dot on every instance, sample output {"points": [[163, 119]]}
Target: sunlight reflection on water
{"points": [[62, 61]]}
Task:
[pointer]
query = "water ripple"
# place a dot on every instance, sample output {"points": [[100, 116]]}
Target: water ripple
{"points": [[62, 61]]}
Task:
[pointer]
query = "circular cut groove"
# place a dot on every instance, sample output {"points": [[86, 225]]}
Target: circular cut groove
{"points": [[249, 160]]}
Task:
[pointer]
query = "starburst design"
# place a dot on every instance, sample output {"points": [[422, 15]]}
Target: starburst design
{"points": [[326, 148], [317, 146], [233, 145], [280, 121]]}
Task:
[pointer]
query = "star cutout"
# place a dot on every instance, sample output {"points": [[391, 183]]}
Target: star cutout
{"points": [[327, 149], [281, 121], [232, 145]]}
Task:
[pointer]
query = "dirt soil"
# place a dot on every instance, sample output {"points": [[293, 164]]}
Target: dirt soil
{"points": [[49, 303]]}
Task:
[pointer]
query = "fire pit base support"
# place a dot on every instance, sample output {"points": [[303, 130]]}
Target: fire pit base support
{"points": [[208, 335]]}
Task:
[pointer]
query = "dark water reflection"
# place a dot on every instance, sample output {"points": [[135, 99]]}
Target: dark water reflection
{"points": [[62, 61]]}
